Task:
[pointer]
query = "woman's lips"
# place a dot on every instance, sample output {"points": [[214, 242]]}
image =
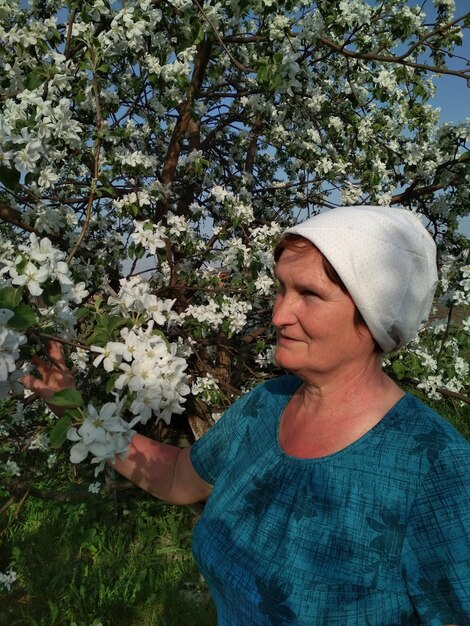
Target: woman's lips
{"points": [[285, 339]]}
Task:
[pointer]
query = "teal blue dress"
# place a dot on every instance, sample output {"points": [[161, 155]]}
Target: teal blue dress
{"points": [[377, 534]]}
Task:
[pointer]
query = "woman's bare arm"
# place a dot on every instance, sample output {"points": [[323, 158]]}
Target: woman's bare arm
{"points": [[164, 471]]}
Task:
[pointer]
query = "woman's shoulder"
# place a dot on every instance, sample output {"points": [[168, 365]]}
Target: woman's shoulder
{"points": [[282, 385], [427, 426], [271, 394]]}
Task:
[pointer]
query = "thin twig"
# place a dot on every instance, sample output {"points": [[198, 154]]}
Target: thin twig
{"points": [[238, 65], [7, 505], [401, 59], [21, 503], [65, 342], [69, 32], [446, 332], [436, 31], [442, 390]]}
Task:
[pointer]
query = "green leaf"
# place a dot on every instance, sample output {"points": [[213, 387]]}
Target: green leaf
{"points": [[58, 434], [105, 329], [10, 297], [161, 334], [82, 312], [111, 322], [24, 317], [110, 383], [199, 36], [98, 338], [52, 293], [69, 397], [10, 177], [34, 79], [80, 97], [399, 369]]}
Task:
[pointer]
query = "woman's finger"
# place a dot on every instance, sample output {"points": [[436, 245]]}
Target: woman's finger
{"points": [[40, 364], [55, 363], [56, 351], [38, 386]]}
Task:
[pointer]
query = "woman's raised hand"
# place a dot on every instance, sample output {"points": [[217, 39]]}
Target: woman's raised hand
{"points": [[55, 375]]}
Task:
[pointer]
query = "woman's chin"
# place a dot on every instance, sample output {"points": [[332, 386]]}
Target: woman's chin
{"points": [[281, 359]]}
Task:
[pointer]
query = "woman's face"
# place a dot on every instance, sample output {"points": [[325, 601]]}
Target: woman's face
{"points": [[314, 318]]}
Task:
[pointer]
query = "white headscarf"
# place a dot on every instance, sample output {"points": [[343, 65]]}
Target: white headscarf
{"points": [[386, 259]]}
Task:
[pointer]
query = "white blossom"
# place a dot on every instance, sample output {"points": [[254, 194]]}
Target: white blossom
{"points": [[30, 276], [40, 441], [150, 236], [264, 284], [103, 434], [12, 468], [8, 578]]}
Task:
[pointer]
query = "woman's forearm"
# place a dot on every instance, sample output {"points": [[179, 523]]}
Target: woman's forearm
{"points": [[163, 470]]}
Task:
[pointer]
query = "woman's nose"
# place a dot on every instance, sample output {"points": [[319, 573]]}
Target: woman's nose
{"points": [[283, 311]]}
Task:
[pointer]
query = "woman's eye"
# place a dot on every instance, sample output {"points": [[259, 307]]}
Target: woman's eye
{"points": [[307, 292]]}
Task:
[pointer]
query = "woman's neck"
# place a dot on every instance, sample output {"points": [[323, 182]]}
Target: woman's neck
{"points": [[320, 420], [360, 386]]}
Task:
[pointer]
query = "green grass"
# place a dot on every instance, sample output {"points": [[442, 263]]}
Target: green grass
{"points": [[118, 563]]}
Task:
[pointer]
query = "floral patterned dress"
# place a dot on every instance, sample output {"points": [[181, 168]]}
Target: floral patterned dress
{"points": [[377, 534]]}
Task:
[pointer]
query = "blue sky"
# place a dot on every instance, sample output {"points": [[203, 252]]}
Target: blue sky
{"points": [[453, 95]]}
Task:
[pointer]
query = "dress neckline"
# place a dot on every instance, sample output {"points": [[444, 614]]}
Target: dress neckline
{"points": [[389, 415]]}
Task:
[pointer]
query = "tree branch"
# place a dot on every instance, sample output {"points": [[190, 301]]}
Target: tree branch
{"points": [[363, 56], [13, 216], [237, 64], [437, 31], [179, 132], [69, 32], [410, 193], [401, 59], [253, 146]]}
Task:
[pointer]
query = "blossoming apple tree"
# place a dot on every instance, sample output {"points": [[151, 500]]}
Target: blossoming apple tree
{"points": [[152, 151]]}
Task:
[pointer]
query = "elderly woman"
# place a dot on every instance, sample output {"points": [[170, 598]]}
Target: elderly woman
{"points": [[333, 498]]}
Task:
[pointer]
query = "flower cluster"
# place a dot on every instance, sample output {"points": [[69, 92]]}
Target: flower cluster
{"points": [[40, 268], [229, 314], [36, 272], [238, 209], [102, 434], [206, 387], [462, 296], [150, 236], [136, 300], [37, 263], [150, 372]]}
